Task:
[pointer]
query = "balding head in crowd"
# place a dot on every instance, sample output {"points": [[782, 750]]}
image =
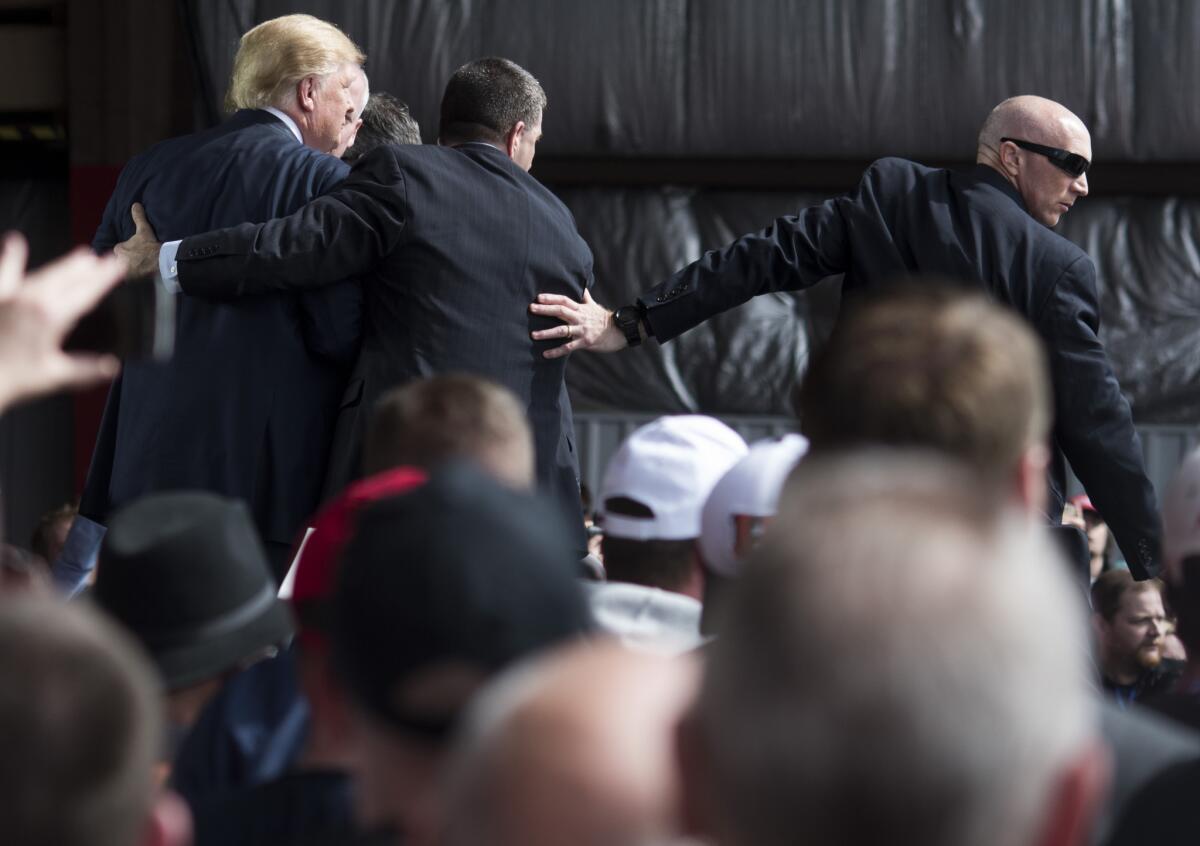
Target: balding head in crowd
{"points": [[900, 664], [938, 369], [308, 69], [81, 728], [454, 416], [574, 748]]}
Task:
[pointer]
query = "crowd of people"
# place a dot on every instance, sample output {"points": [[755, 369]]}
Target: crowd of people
{"points": [[369, 611]]}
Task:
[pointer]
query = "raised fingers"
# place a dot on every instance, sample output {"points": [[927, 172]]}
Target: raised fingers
{"points": [[12, 263]]}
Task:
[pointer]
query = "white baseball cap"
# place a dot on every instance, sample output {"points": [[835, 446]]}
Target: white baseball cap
{"points": [[751, 488], [1181, 514], [669, 466]]}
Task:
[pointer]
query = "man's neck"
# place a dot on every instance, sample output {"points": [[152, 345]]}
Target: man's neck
{"points": [[288, 120], [988, 158]]}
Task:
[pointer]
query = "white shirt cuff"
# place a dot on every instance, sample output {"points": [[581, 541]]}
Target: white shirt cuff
{"points": [[167, 268]]}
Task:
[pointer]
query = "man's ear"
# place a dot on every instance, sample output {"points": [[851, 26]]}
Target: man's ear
{"points": [[1076, 797], [512, 141], [169, 823], [306, 93], [1010, 160], [695, 779]]}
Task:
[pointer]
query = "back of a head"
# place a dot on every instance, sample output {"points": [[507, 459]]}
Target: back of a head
{"points": [[573, 747], [452, 416], [933, 368], [484, 99], [275, 55], [653, 493], [385, 120], [79, 725], [901, 663]]}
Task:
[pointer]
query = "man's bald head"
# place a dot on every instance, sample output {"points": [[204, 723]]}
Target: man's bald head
{"points": [[1047, 191], [1026, 116], [575, 748]]}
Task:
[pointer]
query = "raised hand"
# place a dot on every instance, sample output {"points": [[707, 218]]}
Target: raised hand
{"points": [[36, 313]]}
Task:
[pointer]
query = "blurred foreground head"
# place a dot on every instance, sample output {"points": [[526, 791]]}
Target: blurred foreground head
{"points": [[577, 748], [80, 729], [935, 368], [901, 664]]}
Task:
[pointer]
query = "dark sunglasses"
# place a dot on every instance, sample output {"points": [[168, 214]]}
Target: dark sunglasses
{"points": [[1072, 163]]}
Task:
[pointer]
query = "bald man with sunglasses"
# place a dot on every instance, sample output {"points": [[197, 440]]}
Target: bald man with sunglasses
{"points": [[990, 225]]}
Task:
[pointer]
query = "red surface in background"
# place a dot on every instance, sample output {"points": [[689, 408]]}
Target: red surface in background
{"points": [[90, 189]]}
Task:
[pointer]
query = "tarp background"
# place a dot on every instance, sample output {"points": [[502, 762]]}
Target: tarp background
{"points": [[728, 83]]}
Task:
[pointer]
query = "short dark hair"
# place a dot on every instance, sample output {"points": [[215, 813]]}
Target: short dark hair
{"points": [[664, 564], [454, 415], [486, 98], [1110, 588], [385, 120], [80, 725], [932, 366]]}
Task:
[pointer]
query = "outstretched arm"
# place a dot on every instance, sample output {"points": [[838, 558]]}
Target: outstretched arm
{"points": [[792, 253], [336, 236]]}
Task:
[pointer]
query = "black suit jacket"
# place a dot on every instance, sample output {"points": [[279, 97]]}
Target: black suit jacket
{"points": [[245, 408], [906, 219], [451, 244]]}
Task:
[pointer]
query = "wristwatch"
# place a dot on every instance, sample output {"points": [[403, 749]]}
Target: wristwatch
{"points": [[627, 318]]}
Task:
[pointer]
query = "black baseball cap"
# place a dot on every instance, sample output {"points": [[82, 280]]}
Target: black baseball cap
{"points": [[460, 571]]}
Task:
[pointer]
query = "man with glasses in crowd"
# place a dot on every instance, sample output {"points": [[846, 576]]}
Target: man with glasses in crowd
{"points": [[990, 224]]}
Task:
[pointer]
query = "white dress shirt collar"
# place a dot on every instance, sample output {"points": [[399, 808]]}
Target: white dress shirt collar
{"points": [[287, 121]]}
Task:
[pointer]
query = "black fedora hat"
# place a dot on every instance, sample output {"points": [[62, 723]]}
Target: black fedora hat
{"points": [[186, 573]]}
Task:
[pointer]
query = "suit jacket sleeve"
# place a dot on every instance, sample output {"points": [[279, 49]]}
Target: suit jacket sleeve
{"points": [[1093, 423], [341, 234], [792, 253]]}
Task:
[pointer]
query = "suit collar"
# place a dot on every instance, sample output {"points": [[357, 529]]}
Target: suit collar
{"points": [[287, 121], [479, 145], [252, 117], [993, 177]]}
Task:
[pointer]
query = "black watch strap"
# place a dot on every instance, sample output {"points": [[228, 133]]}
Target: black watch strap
{"points": [[628, 319]]}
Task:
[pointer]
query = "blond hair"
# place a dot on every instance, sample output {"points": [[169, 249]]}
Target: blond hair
{"points": [[275, 55]]}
